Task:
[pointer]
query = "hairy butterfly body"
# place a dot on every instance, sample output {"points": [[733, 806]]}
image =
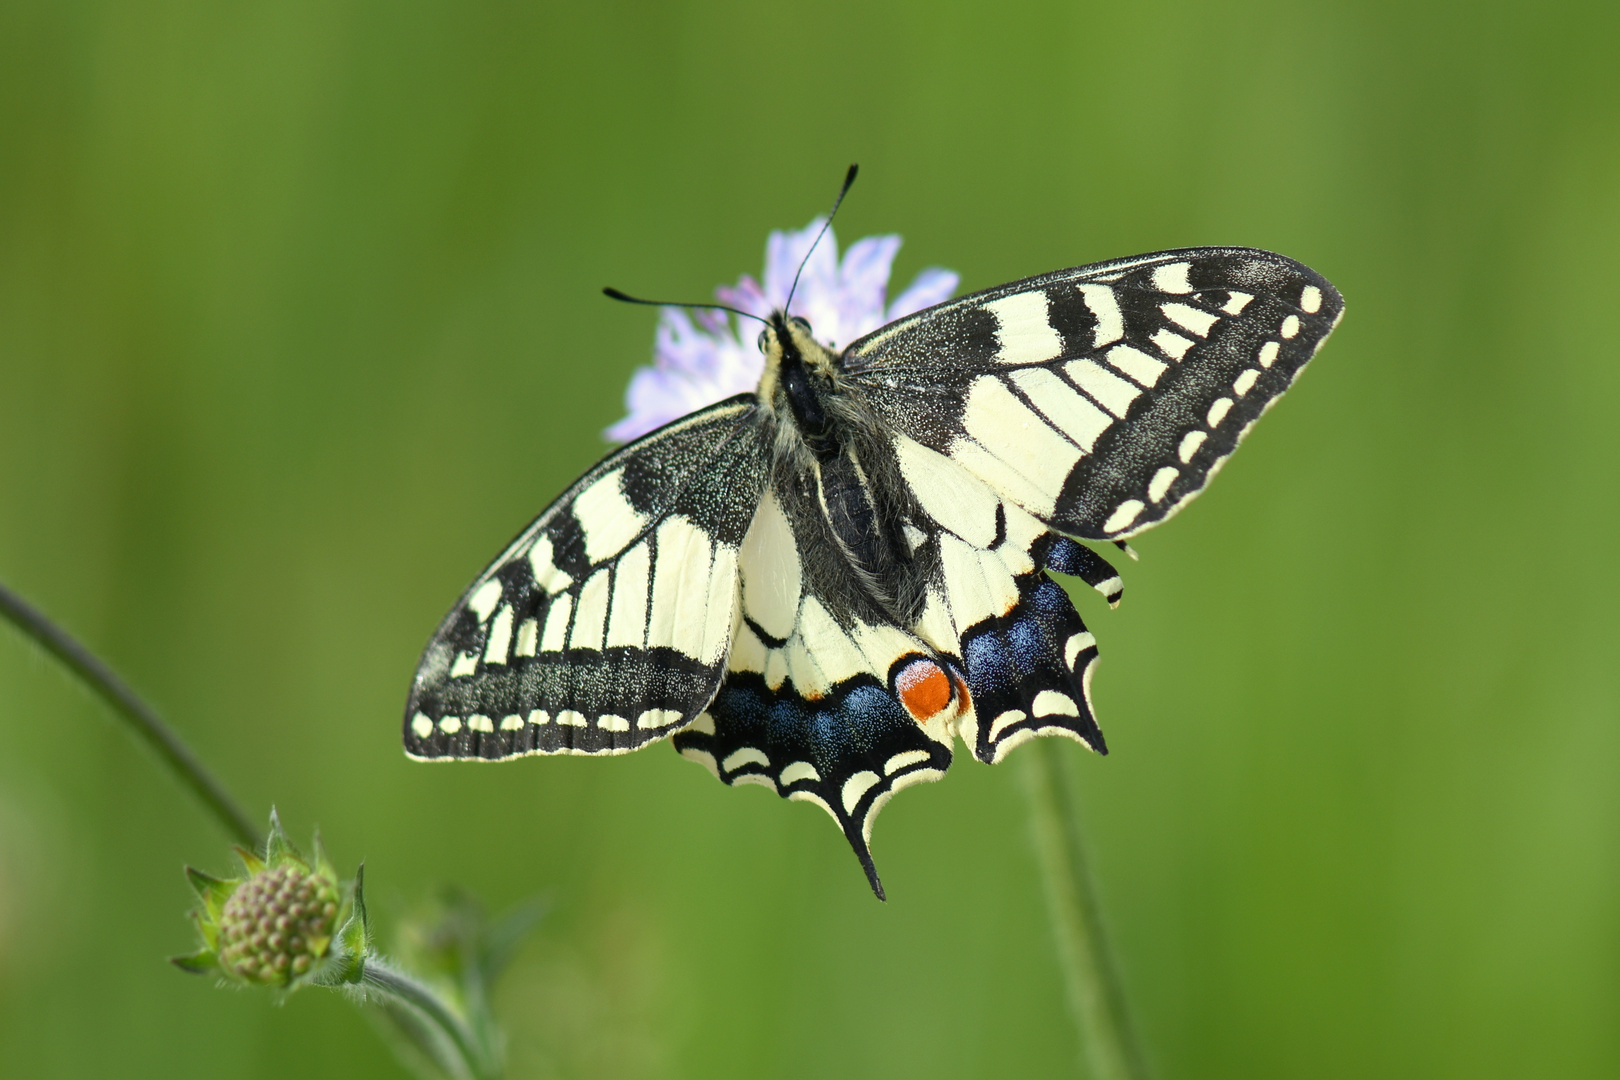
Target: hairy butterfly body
{"points": [[818, 587]]}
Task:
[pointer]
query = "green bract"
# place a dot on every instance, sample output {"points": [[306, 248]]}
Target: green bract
{"points": [[288, 922]]}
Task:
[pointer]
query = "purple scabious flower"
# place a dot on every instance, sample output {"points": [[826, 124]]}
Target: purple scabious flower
{"points": [[703, 357]]}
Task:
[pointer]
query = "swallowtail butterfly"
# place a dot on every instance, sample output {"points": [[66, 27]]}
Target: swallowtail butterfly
{"points": [[818, 587]]}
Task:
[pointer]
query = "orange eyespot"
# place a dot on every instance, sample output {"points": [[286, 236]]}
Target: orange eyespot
{"points": [[924, 689]]}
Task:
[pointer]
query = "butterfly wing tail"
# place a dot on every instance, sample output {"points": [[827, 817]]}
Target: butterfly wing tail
{"points": [[847, 751]]}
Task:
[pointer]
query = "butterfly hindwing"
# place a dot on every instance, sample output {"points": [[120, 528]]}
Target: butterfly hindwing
{"points": [[1030, 669], [605, 625], [1101, 398], [822, 702], [992, 607], [847, 750]]}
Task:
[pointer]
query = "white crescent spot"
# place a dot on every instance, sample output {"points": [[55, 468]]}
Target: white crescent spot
{"points": [[799, 770], [855, 787], [1052, 703], [1125, 513], [901, 760], [746, 756], [1078, 643]]}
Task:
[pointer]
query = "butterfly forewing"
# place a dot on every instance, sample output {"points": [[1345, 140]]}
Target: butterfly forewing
{"points": [[606, 623], [1101, 398]]}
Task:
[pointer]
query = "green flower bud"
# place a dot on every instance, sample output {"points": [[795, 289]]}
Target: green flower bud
{"points": [[276, 926]]}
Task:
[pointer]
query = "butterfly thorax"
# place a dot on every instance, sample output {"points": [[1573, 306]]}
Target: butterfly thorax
{"points": [[801, 378], [831, 464]]}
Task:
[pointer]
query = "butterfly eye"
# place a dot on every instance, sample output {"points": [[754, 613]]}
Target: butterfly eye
{"points": [[764, 336], [800, 324]]}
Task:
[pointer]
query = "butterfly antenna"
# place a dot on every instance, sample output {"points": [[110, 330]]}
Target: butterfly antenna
{"points": [[624, 298], [849, 178]]}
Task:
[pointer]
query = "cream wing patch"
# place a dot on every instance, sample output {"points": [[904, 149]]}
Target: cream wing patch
{"points": [[1024, 334], [955, 498], [1030, 460], [607, 518], [772, 579]]}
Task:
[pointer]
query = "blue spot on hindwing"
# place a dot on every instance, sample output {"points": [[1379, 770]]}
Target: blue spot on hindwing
{"points": [[871, 711], [744, 706], [1026, 644], [1047, 598], [988, 666], [787, 717], [1067, 557]]}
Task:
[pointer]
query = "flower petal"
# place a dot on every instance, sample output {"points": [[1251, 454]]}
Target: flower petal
{"points": [[864, 279], [865, 272], [703, 357], [932, 286], [785, 252], [746, 295]]}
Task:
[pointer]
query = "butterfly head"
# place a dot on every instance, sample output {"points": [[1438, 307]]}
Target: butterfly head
{"points": [[797, 366], [784, 334]]}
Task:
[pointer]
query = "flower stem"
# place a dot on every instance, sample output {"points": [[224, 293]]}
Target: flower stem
{"points": [[139, 715], [471, 1059], [1096, 998]]}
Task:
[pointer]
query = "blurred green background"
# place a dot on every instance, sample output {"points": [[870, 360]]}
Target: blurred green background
{"points": [[299, 323]]}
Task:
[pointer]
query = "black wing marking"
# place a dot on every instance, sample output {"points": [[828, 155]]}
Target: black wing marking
{"points": [[1102, 398], [605, 624], [1067, 557]]}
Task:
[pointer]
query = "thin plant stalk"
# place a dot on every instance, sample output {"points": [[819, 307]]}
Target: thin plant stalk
{"points": [[1091, 979], [470, 1057], [141, 718]]}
